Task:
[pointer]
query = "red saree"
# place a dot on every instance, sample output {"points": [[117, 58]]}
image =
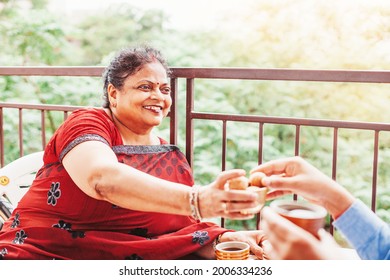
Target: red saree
{"points": [[56, 220]]}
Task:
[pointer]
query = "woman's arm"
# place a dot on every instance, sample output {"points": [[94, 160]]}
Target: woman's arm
{"points": [[94, 167]]}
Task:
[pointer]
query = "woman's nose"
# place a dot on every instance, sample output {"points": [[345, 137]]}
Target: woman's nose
{"points": [[157, 94]]}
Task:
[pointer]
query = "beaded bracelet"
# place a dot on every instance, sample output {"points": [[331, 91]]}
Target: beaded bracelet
{"points": [[194, 203]]}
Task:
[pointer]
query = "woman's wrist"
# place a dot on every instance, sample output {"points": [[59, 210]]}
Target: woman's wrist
{"points": [[194, 203]]}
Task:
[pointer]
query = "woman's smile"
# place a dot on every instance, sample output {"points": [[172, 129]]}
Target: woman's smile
{"points": [[154, 108]]}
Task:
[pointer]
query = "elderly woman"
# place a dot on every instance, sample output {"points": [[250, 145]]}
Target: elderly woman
{"points": [[111, 189]]}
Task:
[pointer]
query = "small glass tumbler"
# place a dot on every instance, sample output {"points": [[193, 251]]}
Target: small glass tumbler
{"points": [[232, 250]]}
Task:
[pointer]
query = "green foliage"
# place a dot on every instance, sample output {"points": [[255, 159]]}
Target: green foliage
{"points": [[120, 26], [34, 39]]}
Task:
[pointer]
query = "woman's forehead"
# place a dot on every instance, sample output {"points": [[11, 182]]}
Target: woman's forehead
{"points": [[154, 72]]}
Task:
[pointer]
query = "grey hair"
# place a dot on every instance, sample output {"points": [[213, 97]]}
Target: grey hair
{"points": [[128, 62]]}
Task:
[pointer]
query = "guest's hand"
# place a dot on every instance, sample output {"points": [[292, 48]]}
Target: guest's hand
{"points": [[291, 242], [295, 175]]}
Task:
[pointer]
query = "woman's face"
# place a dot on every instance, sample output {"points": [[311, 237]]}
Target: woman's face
{"points": [[145, 98]]}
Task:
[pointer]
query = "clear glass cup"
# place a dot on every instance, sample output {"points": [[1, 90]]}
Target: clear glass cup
{"points": [[261, 195]]}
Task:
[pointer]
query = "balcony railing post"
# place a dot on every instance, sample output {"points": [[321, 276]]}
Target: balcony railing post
{"points": [[43, 129], [224, 145], [189, 121], [375, 171], [1, 137], [21, 151], [334, 166], [173, 113], [297, 139], [261, 143]]}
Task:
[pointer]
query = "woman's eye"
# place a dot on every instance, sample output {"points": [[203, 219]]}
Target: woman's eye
{"points": [[144, 87], [166, 90]]}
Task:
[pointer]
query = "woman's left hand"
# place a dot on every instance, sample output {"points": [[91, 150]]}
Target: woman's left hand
{"points": [[255, 238]]}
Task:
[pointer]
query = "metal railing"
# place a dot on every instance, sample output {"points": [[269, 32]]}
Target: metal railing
{"points": [[190, 76]]}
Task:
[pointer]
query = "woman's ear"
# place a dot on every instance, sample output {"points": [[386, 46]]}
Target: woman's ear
{"points": [[111, 91]]}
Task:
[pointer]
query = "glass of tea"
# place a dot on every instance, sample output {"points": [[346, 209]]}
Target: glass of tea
{"points": [[308, 216], [261, 196], [232, 250]]}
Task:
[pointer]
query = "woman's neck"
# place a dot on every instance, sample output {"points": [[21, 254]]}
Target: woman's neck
{"points": [[132, 137]]}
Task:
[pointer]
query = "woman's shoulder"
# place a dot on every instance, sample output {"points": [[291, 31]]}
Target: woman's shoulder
{"points": [[88, 115], [89, 111], [81, 125]]}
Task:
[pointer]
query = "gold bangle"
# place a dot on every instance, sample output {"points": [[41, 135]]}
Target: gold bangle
{"points": [[194, 203]]}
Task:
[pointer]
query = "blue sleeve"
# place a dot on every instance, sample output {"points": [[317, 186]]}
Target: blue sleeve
{"points": [[365, 231]]}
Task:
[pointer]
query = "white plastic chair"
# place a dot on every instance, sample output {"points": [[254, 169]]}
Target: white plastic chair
{"points": [[15, 179]]}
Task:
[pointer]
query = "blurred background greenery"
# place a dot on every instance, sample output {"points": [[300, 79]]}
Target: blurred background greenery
{"points": [[298, 34]]}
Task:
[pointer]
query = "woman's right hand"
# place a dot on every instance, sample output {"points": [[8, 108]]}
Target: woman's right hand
{"points": [[215, 201]]}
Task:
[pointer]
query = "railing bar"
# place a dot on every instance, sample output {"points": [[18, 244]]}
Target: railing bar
{"points": [[189, 121], [261, 143], [297, 139], [76, 71], [294, 121], [242, 118], [43, 129], [334, 157], [283, 74], [39, 106], [363, 76], [296, 152], [1, 137], [224, 142], [173, 121], [375, 172], [20, 129], [334, 168], [260, 160]]}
